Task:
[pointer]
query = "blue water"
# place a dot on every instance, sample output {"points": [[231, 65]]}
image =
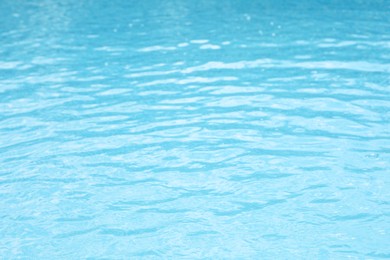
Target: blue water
{"points": [[194, 129]]}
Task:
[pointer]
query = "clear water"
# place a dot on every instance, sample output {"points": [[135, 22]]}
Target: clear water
{"points": [[194, 129]]}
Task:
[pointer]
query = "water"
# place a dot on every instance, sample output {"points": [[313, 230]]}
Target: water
{"points": [[194, 129]]}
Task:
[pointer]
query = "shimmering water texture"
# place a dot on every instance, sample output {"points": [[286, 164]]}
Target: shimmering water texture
{"points": [[194, 129]]}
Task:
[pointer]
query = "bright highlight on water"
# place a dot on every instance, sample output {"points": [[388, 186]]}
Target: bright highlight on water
{"points": [[194, 129]]}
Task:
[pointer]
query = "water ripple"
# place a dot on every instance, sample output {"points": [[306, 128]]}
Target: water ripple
{"points": [[208, 130]]}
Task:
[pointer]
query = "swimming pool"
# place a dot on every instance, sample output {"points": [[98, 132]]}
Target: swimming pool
{"points": [[194, 129]]}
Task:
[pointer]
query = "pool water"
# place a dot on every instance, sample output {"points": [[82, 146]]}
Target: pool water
{"points": [[194, 129]]}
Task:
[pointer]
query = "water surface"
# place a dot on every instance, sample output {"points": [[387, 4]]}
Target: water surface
{"points": [[194, 129]]}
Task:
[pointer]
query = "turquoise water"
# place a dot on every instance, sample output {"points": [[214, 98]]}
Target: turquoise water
{"points": [[194, 129]]}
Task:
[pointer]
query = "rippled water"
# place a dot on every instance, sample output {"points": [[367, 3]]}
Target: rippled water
{"points": [[194, 129]]}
